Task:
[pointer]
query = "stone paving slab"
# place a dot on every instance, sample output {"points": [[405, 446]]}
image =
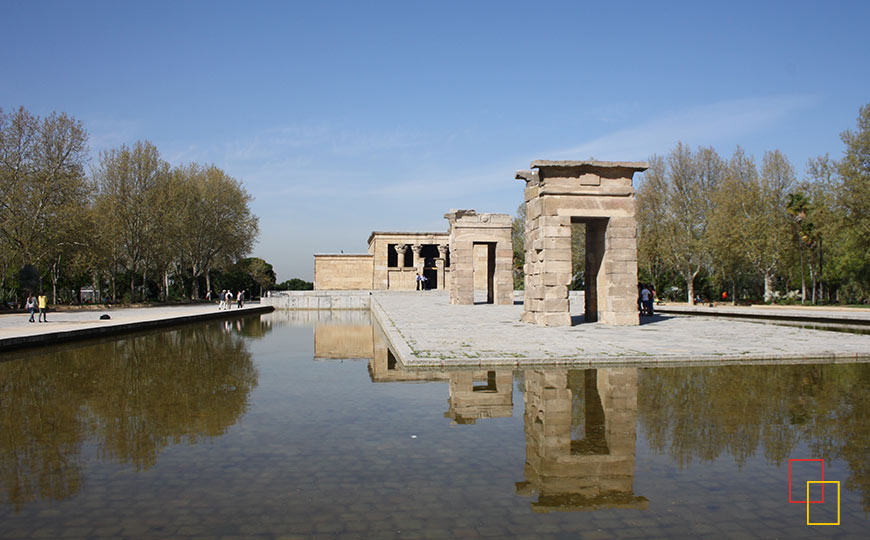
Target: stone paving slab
{"points": [[16, 330], [425, 330]]}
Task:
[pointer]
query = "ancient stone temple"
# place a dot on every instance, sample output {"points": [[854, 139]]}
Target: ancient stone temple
{"points": [[472, 233], [398, 257], [599, 195], [393, 261]]}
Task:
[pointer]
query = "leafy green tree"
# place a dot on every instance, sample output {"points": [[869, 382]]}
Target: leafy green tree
{"points": [[130, 184], [751, 225], [769, 240], [295, 284], [798, 208], [650, 206], [42, 184], [676, 211], [518, 238], [827, 223], [219, 226], [854, 170]]}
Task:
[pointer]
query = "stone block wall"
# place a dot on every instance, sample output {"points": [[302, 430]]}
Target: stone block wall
{"points": [[318, 300], [343, 271]]}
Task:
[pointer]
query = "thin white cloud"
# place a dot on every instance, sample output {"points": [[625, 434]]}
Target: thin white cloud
{"points": [[706, 124], [278, 142], [105, 133]]}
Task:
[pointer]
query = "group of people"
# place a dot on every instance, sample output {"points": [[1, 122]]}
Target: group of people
{"points": [[37, 304], [226, 299], [646, 294], [421, 282]]}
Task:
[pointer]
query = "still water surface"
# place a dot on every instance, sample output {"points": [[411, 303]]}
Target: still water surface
{"points": [[304, 425]]}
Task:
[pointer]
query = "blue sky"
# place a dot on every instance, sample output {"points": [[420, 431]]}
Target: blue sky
{"points": [[347, 117]]}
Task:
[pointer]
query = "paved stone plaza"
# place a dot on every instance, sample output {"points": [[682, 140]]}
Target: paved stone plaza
{"points": [[425, 330]]}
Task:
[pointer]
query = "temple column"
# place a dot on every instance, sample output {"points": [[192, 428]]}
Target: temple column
{"points": [[441, 263], [400, 251], [418, 262]]}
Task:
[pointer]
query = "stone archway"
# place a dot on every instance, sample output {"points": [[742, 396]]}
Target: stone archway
{"points": [[469, 229], [600, 195]]}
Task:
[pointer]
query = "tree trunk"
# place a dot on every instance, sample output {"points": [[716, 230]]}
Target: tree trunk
{"points": [[52, 271], [803, 278], [54, 275], [768, 287], [689, 276], [132, 287], [207, 280], [733, 291], [821, 273], [166, 285]]}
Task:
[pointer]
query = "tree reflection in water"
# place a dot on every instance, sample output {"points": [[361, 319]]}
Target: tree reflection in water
{"points": [[702, 413], [133, 396]]}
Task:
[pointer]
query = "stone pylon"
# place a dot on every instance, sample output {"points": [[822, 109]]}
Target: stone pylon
{"points": [[467, 229], [600, 195]]}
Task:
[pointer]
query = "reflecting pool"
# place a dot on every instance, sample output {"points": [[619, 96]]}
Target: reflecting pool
{"points": [[304, 424]]}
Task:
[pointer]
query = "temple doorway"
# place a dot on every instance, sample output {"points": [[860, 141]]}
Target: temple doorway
{"points": [[431, 275], [484, 269]]}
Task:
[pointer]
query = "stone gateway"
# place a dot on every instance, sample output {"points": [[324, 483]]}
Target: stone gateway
{"points": [[598, 194]]}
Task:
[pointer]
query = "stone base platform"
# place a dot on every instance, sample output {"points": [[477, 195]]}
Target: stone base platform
{"points": [[318, 300], [426, 331]]}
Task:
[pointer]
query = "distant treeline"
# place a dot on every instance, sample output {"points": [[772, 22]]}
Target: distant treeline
{"points": [[709, 225], [133, 228]]}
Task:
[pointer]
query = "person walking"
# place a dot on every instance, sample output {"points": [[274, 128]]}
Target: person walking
{"points": [[229, 299], [239, 297], [30, 304], [42, 302], [222, 298]]}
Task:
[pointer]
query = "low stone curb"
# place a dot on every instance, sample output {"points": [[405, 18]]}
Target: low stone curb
{"points": [[113, 328]]}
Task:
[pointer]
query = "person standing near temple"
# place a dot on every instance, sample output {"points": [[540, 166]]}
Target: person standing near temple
{"points": [[42, 302], [30, 304], [646, 300]]}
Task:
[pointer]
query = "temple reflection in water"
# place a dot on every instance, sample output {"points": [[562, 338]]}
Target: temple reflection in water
{"points": [[579, 424], [580, 439]]}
